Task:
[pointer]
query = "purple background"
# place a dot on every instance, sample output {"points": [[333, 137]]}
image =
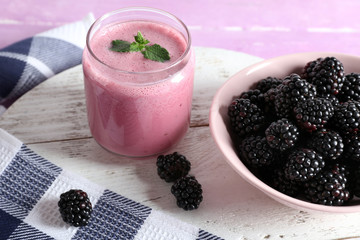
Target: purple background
{"points": [[264, 28]]}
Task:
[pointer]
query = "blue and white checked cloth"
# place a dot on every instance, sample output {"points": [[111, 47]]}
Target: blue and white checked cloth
{"points": [[25, 64], [30, 185]]}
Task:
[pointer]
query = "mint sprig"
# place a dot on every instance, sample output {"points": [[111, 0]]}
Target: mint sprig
{"points": [[120, 46], [153, 52]]}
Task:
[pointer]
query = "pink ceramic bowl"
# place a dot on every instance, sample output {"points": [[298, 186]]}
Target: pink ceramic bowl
{"points": [[276, 67]]}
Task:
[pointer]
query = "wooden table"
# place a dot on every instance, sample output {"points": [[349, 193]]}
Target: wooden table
{"points": [[51, 120]]}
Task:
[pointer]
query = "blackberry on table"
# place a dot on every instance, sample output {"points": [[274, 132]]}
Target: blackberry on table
{"points": [[281, 134], [172, 166], [327, 143], [303, 164], [256, 151], [245, 117], [327, 75], [75, 207], [312, 114], [347, 117], [292, 90], [351, 88], [328, 188], [267, 83], [188, 193]]}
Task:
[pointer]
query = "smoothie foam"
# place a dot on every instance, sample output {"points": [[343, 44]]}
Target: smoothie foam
{"points": [[166, 37]]}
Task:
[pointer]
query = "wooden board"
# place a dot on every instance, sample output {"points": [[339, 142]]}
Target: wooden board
{"points": [[51, 120]]}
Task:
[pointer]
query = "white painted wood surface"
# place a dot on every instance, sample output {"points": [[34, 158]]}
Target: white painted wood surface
{"points": [[51, 120]]}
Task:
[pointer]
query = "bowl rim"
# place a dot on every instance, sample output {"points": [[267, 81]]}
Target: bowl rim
{"points": [[214, 116]]}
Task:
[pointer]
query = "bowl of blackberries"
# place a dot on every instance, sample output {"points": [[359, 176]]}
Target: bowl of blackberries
{"points": [[290, 126]]}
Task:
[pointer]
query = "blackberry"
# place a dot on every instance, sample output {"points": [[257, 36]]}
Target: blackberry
{"points": [[284, 185], [256, 151], [245, 117], [282, 134], [267, 83], [172, 166], [292, 90], [188, 193], [75, 207], [342, 168], [332, 98], [269, 97], [255, 96], [328, 188], [309, 67], [347, 117], [312, 114], [327, 143], [269, 103], [352, 147], [303, 164], [351, 88], [327, 75]]}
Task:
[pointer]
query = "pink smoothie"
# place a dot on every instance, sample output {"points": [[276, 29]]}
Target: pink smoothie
{"points": [[138, 114]]}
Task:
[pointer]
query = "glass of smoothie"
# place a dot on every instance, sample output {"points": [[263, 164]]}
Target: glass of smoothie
{"points": [[138, 105]]}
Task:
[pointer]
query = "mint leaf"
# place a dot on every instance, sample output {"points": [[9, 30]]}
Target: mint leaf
{"points": [[140, 39], [156, 53], [135, 47], [120, 46]]}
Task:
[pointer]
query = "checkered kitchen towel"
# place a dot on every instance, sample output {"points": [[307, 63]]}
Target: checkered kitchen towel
{"points": [[30, 187], [25, 64]]}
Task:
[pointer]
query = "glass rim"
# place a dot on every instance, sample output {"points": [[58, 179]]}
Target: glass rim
{"points": [[145, 9]]}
